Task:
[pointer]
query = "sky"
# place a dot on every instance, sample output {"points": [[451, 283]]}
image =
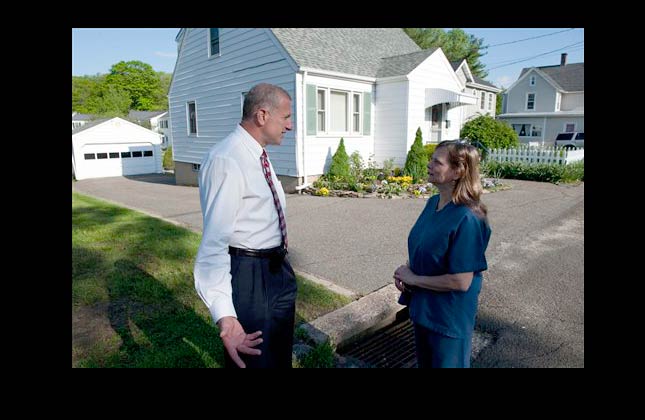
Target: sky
{"points": [[95, 50]]}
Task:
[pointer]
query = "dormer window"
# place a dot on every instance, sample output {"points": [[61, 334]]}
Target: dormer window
{"points": [[213, 42], [531, 80]]}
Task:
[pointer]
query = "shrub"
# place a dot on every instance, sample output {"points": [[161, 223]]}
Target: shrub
{"points": [[168, 162], [492, 133], [417, 161], [339, 163], [429, 149]]}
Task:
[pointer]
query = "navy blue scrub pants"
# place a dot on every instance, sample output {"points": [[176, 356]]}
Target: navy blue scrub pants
{"points": [[435, 350], [264, 296]]}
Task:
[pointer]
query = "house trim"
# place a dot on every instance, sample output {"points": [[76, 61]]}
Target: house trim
{"points": [[543, 114], [337, 75]]}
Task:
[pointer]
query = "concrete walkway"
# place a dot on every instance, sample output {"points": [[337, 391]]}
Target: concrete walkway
{"points": [[532, 301]]}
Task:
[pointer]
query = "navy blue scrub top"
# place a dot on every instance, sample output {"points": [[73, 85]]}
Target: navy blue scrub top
{"points": [[452, 240]]}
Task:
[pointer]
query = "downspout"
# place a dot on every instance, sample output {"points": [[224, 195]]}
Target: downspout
{"points": [[303, 105], [543, 130]]}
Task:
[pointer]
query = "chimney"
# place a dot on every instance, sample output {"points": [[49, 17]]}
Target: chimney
{"points": [[563, 59]]}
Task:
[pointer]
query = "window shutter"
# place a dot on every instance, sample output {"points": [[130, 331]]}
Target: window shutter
{"points": [[367, 113], [311, 110]]}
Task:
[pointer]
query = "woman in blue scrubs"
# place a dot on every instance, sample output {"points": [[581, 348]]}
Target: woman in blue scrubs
{"points": [[446, 248]]}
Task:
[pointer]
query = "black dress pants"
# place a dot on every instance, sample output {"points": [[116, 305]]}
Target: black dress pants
{"points": [[264, 296]]}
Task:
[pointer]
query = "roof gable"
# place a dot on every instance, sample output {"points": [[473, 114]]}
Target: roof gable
{"points": [[568, 78]]}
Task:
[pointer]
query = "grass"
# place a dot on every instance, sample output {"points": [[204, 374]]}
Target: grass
{"points": [[133, 297]]}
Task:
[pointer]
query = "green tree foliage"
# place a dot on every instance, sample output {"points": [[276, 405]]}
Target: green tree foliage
{"points": [[83, 88], [498, 103], [417, 161], [109, 101], [339, 163], [138, 79], [456, 44], [490, 132]]}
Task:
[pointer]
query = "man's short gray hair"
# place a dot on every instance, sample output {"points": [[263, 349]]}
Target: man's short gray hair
{"points": [[263, 95]]}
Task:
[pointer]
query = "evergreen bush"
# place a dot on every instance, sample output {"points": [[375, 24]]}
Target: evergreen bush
{"points": [[339, 163], [416, 164]]}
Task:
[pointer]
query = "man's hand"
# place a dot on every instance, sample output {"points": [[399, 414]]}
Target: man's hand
{"points": [[237, 340]]}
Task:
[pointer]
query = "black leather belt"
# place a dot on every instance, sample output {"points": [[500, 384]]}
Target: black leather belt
{"points": [[278, 252]]}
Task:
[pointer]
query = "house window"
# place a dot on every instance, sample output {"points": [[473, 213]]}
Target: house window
{"points": [[192, 118], [530, 101], [196, 167], [356, 113], [147, 153], [89, 156], [114, 155], [522, 130], [213, 41], [125, 155], [490, 101], [321, 107], [532, 81], [338, 112], [569, 127], [101, 156], [483, 100], [136, 154], [536, 131]]}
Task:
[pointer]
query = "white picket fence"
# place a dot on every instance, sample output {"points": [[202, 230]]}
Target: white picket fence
{"points": [[527, 154]]}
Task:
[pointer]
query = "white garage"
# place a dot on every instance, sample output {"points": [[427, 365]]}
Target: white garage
{"points": [[115, 147]]}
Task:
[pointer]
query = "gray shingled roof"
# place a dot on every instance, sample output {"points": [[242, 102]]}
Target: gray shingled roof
{"points": [[346, 50], [402, 64], [570, 77], [143, 115]]}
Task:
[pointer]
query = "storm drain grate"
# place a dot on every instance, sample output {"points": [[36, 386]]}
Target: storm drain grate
{"points": [[391, 347]]}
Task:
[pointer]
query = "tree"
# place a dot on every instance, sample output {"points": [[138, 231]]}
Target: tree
{"points": [[416, 163], [490, 132], [339, 163], [83, 88], [498, 104], [456, 44], [109, 101], [138, 79]]}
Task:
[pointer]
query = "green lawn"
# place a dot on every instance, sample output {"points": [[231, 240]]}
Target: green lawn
{"points": [[133, 299]]}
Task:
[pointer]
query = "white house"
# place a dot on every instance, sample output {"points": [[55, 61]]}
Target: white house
{"points": [[373, 87], [114, 147], [158, 122], [485, 92], [545, 101]]}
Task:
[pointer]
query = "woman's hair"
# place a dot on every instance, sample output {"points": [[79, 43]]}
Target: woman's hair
{"points": [[263, 95], [468, 188]]}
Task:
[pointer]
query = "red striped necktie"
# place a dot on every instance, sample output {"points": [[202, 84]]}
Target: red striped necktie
{"points": [[267, 175]]}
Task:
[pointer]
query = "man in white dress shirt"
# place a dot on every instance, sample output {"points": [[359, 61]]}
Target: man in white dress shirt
{"points": [[241, 271]]}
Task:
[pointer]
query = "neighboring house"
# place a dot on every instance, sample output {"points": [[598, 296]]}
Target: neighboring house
{"points": [[114, 147], [485, 92], [79, 120], [545, 101], [371, 86], [157, 121]]}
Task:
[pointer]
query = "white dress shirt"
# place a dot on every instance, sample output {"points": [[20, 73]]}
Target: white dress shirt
{"points": [[238, 210]]}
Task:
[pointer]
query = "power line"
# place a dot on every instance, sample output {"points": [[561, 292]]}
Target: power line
{"points": [[535, 56], [526, 39]]}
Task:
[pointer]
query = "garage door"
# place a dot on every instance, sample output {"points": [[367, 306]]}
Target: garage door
{"points": [[116, 159]]}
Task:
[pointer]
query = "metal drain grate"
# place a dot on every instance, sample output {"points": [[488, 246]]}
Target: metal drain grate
{"points": [[391, 347]]}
